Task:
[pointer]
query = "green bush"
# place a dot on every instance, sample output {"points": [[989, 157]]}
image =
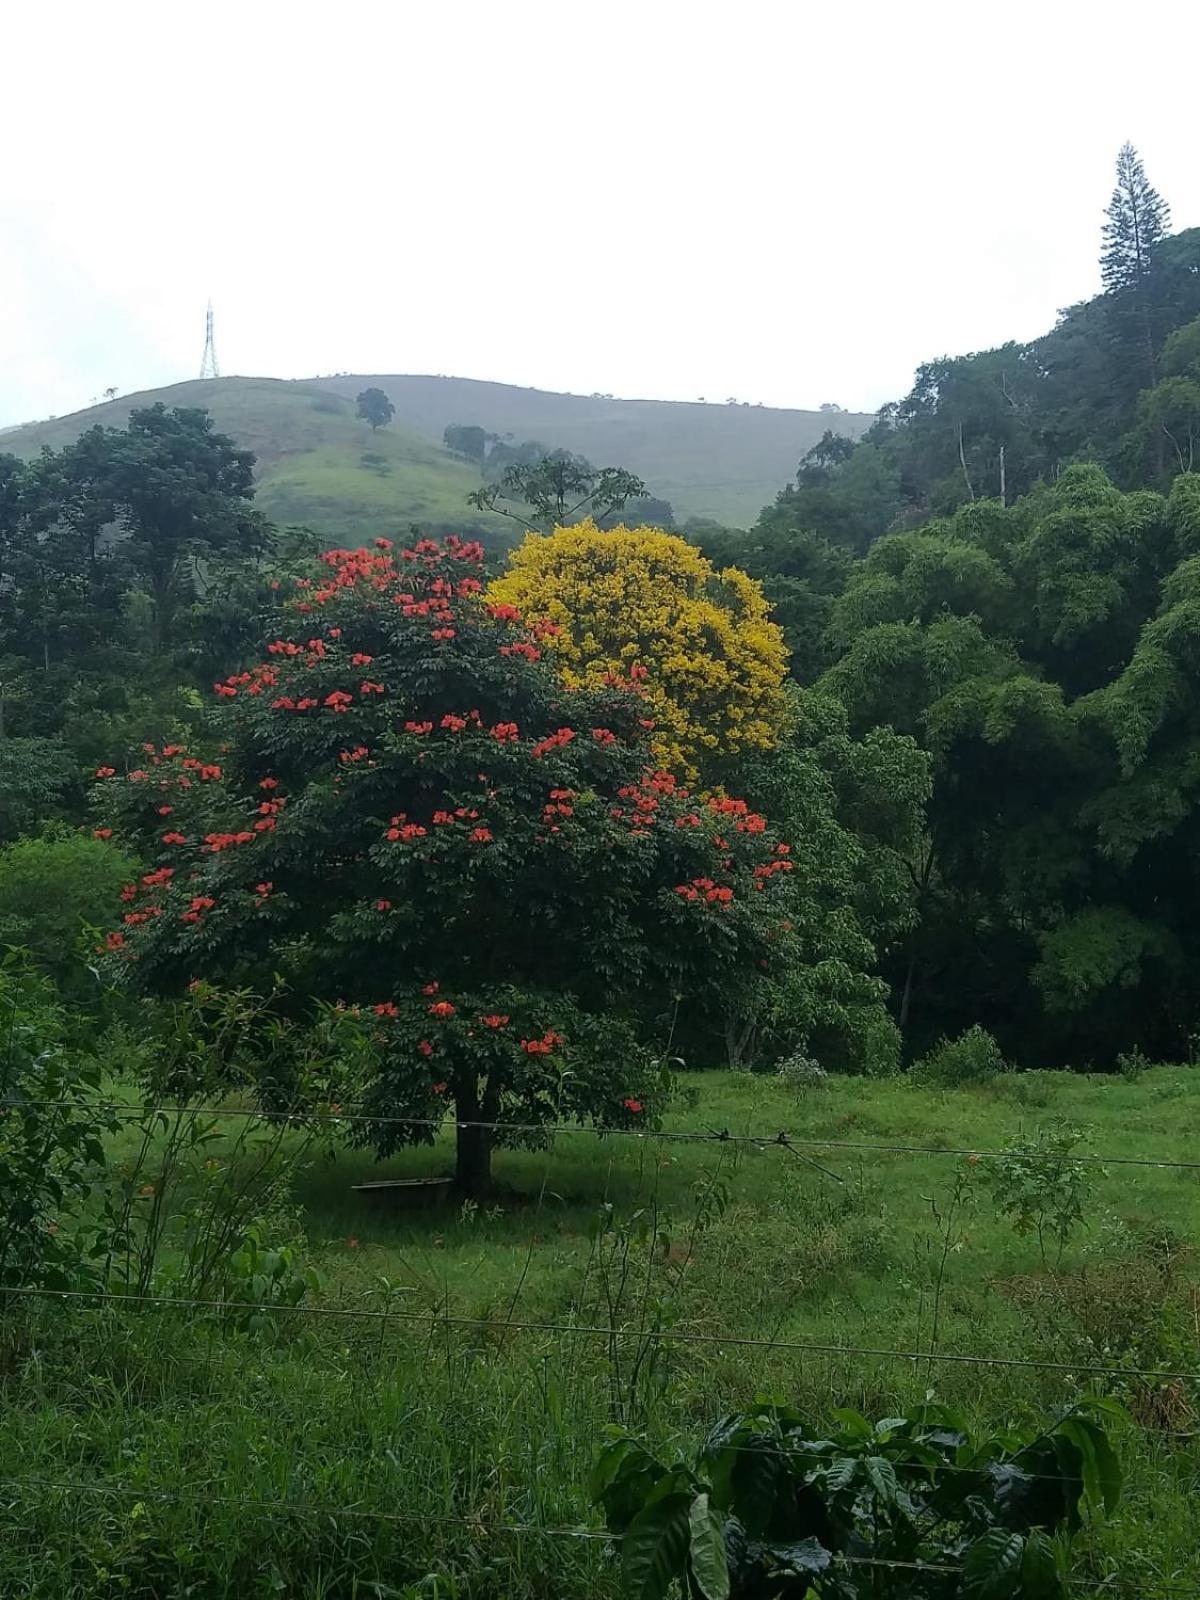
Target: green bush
{"points": [[51, 889], [974, 1057]]}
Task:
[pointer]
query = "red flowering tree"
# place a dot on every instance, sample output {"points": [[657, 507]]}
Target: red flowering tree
{"points": [[406, 812]]}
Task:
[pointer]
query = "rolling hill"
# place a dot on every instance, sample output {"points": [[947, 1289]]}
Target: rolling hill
{"points": [[318, 465]]}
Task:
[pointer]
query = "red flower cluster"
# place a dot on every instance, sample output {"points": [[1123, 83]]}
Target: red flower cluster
{"points": [[425, 1047], [339, 700], [383, 905], [553, 741], [159, 875], [443, 633], [359, 753], [632, 1105], [506, 732], [480, 836], [360, 659], [768, 869], [102, 833], [106, 772], [388, 1008], [495, 1020], [521, 648], [504, 613], [604, 736], [544, 1045], [367, 687], [175, 837], [217, 842], [418, 727], [195, 912], [705, 888], [404, 830], [441, 1009]]}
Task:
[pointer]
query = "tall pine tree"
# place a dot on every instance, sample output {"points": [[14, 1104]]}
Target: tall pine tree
{"points": [[1136, 220]]}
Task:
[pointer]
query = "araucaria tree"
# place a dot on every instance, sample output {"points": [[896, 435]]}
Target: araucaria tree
{"points": [[408, 813], [1137, 220]]}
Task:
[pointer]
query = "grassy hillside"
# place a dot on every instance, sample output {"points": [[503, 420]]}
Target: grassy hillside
{"points": [[317, 463], [718, 461], [320, 466]]}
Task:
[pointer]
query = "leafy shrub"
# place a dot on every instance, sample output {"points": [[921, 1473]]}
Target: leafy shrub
{"points": [[51, 1150], [1044, 1188], [1133, 1063], [769, 1507], [51, 889], [799, 1071], [974, 1057]]}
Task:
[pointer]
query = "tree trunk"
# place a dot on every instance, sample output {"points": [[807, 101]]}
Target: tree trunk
{"points": [[473, 1162]]}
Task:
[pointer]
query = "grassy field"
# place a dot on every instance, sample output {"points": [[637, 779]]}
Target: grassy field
{"points": [[321, 467], [340, 1454]]}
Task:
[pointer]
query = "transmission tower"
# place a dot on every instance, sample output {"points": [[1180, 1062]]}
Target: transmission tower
{"points": [[208, 364]]}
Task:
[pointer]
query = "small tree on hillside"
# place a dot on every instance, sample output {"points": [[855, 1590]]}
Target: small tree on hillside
{"points": [[467, 440], [557, 489], [373, 406], [413, 816]]}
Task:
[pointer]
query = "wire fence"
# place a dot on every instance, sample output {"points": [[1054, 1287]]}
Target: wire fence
{"points": [[781, 1137]]}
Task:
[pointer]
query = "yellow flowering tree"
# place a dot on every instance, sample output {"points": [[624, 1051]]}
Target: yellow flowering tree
{"points": [[641, 604]]}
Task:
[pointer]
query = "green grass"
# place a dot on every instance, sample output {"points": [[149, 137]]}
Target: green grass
{"points": [[718, 461], [221, 1444]]}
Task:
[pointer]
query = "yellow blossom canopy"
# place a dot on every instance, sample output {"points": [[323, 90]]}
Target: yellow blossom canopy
{"points": [[643, 604]]}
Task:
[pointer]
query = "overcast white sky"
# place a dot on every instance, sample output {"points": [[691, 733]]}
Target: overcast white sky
{"points": [[777, 200]]}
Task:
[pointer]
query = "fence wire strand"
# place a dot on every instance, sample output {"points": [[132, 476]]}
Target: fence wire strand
{"points": [[436, 1319], [780, 1138]]}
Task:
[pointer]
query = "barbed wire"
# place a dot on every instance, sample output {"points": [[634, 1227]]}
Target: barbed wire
{"points": [[436, 1319], [782, 1138]]}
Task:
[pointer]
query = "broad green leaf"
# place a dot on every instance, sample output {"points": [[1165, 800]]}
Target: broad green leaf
{"points": [[882, 1476], [992, 1569], [803, 1556], [710, 1569], [1040, 1577], [654, 1548], [1102, 1477]]}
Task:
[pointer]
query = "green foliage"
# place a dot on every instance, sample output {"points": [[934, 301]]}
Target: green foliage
{"points": [[768, 1506], [413, 816], [39, 779], [556, 489], [52, 889], [52, 1127], [373, 406], [1044, 1188], [974, 1057]]}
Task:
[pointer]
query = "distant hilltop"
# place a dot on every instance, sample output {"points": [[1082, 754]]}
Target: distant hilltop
{"points": [[319, 465]]}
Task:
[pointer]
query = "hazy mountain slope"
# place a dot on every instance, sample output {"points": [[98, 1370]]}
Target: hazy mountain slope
{"points": [[318, 464], [719, 461]]}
